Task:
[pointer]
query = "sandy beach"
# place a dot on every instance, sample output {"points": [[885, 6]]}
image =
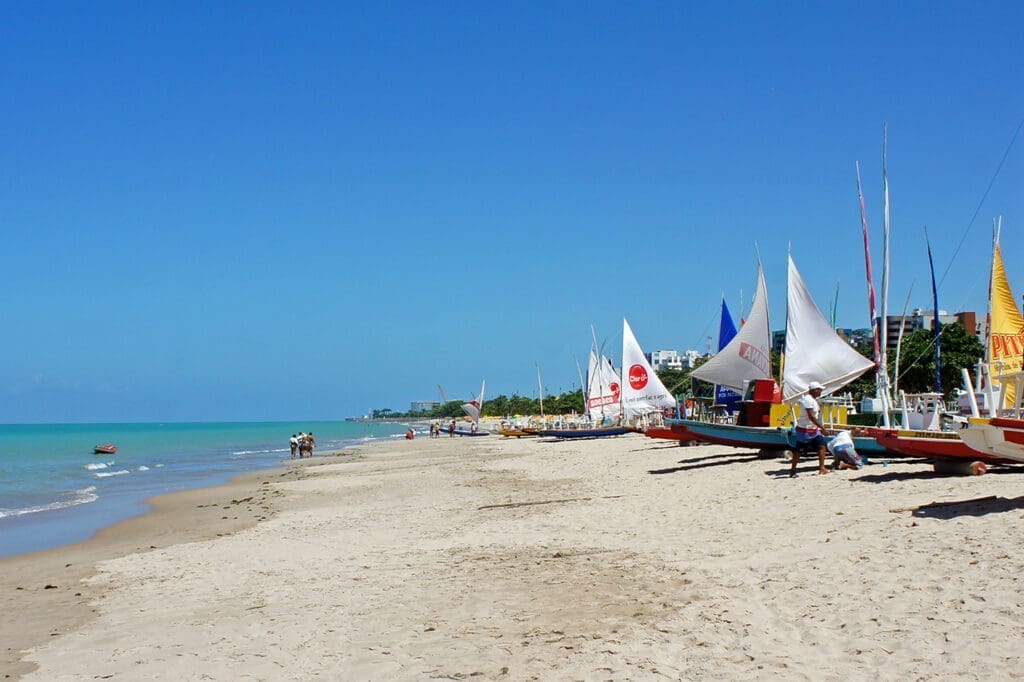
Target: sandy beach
{"points": [[495, 558]]}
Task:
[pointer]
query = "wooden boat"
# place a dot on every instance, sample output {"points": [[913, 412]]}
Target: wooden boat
{"points": [[106, 449], [470, 432], [598, 432], [517, 433], [1001, 434], [668, 433], [736, 435], [945, 445], [999, 437]]}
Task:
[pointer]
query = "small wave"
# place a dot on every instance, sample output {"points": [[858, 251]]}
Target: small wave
{"points": [[158, 465], [143, 468], [93, 466], [83, 496], [259, 452], [105, 474]]}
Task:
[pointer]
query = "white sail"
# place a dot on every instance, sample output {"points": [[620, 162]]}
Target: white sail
{"points": [[814, 352], [603, 389], [748, 355], [473, 407], [642, 390]]}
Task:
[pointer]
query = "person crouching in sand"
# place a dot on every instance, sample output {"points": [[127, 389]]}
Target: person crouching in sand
{"points": [[844, 454]]}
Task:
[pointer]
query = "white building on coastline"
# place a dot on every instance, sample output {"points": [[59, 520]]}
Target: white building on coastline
{"points": [[671, 359]]}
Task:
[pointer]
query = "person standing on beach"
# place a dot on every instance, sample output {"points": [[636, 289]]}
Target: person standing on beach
{"points": [[451, 429], [809, 428], [310, 444], [293, 443]]}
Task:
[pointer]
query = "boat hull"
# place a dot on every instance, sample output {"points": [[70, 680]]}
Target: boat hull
{"points": [[105, 449], [761, 437], [586, 433], [996, 437], [668, 433], [518, 433], [941, 445]]}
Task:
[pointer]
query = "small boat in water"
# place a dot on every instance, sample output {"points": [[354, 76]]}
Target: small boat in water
{"points": [[106, 449]]}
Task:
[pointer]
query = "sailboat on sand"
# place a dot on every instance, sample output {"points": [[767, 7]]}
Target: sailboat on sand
{"points": [[473, 410], [1001, 434], [602, 401], [813, 352]]}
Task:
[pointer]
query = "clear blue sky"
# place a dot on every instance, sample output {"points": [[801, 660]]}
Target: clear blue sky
{"points": [[271, 211]]}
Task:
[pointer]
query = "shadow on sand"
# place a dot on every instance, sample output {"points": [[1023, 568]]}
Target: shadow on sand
{"points": [[708, 461], [951, 510], [922, 474]]}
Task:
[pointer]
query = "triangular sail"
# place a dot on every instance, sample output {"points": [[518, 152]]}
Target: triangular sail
{"points": [[1006, 337], [642, 390], [814, 352], [603, 390], [473, 407], [726, 333], [748, 355]]}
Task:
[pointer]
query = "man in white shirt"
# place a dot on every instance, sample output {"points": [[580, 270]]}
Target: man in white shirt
{"points": [[809, 428]]}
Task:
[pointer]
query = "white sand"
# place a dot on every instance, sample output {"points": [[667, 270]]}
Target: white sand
{"points": [[645, 560]]}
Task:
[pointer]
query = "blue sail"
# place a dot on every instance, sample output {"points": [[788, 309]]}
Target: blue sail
{"points": [[726, 331]]}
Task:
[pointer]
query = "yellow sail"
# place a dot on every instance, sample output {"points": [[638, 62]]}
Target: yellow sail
{"points": [[1006, 339]]}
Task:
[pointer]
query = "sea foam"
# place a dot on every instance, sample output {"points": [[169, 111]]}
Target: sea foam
{"points": [[105, 474], [83, 496]]}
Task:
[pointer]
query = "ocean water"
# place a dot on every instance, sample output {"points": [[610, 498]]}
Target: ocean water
{"points": [[55, 491]]}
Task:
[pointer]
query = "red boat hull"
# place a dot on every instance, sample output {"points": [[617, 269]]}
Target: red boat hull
{"points": [[932, 446], [679, 433]]}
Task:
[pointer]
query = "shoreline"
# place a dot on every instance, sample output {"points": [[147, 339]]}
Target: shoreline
{"points": [[34, 586]]}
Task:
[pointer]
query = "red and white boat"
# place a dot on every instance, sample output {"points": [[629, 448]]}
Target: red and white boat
{"points": [[106, 449]]}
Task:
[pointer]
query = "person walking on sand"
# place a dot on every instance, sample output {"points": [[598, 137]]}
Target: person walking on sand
{"points": [[310, 444], [451, 429], [809, 428], [293, 443]]}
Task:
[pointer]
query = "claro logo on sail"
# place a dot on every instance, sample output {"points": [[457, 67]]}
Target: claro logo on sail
{"points": [[637, 377]]}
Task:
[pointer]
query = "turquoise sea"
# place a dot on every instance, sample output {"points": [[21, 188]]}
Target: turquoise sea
{"points": [[55, 491]]}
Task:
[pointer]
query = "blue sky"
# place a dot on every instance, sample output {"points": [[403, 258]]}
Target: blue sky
{"points": [[296, 211]]}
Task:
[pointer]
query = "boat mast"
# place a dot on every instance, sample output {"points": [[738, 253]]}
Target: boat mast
{"points": [[871, 303], [883, 322], [583, 389], [899, 342], [937, 329], [540, 389]]}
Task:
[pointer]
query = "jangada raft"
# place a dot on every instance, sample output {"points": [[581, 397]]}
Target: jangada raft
{"points": [[813, 353], [1002, 433]]}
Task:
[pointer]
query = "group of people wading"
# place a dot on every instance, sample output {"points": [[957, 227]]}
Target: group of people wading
{"points": [[302, 444]]}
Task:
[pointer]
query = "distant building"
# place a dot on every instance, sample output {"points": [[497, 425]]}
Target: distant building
{"points": [[690, 357], [423, 405], [664, 359], [925, 319]]}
